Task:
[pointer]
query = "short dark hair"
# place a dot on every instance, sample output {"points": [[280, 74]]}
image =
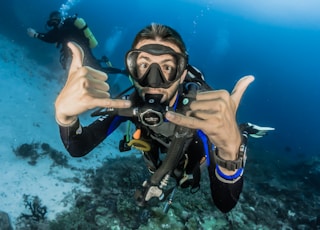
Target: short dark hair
{"points": [[55, 15], [162, 32]]}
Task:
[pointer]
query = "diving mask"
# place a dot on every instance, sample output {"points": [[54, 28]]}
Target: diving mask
{"points": [[54, 19], [148, 73]]}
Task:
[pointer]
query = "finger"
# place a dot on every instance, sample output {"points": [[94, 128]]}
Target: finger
{"points": [[103, 101], [77, 57], [189, 122], [240, 88], [203, 114], [113, 103], [96, 93], [212, 95], [211, 103], [97, 74], [94, 84]]}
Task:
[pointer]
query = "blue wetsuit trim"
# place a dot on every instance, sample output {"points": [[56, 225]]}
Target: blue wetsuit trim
{"points": [[204, 139], [237, 174]]}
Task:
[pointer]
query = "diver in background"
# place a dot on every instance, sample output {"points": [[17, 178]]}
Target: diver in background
{"points": [[73, 29]]}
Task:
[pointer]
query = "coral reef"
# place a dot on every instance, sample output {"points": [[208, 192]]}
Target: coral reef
{"points": [[269, 200], [264, 204], [35, 218], [28, 151], [111, 204], [36, 150]]}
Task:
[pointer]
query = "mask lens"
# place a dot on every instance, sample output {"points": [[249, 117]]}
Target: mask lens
{"points": [[167, 65]]}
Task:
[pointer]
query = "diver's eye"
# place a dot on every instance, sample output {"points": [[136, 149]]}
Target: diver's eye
{"points": [[168, 68], [143, 65], [142, 68], [169, 71]]}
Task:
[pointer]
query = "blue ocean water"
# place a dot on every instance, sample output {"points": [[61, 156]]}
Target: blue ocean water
{"points": [[276, 42]]}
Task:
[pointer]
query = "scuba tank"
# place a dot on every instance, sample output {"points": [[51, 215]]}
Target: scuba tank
{"points": [[82, 25]]}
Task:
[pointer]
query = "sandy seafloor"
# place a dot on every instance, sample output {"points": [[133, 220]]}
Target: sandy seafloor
{"points": [[28, 91]]}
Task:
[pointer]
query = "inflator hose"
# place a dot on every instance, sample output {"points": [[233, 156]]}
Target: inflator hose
{"points": [[180, 142]]}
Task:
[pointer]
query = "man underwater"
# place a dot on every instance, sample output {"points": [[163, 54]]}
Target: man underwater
{"points": [[175, 113]]}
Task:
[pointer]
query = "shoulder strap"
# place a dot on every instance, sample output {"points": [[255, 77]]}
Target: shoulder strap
{"points": [[195, 75], [69, 20], [194, 72]]}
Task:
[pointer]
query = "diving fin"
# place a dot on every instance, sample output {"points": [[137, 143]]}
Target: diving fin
{"points": [[258, 131]]}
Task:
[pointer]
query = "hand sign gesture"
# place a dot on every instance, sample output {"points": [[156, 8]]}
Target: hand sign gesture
{"points": [[85, 89], [214, 112]]}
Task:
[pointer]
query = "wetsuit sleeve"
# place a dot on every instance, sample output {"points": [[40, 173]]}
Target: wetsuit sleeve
{"points": [[51, 36], [79, 140], [224, 195]]}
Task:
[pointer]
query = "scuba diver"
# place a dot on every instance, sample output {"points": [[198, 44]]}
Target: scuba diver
{"points": [[75, 29], [182, 124]]}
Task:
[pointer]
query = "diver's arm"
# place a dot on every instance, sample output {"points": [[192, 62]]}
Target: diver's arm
{"points": [[227, 187], [79, 140], [51, 36], [225, 195]]}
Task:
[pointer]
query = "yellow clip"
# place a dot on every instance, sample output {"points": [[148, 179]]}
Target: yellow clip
{"points": [[139, 144]]}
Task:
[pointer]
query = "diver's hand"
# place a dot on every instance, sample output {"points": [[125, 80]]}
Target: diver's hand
{"points": [[85, 89], [214, 113], [32, 33]]}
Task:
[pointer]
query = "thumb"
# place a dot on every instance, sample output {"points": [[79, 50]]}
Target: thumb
{"points": [[240, 87], [77, 57]]}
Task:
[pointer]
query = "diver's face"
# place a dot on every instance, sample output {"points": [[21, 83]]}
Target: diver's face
{"points": [[166, 65]]}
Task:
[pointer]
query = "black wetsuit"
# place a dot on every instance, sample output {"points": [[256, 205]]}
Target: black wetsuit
{"points": [[80, 140]]}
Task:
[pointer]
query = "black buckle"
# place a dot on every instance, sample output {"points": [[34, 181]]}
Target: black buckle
{"points": [[123, 145]]}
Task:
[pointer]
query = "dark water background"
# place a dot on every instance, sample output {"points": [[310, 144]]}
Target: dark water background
{"points": [[276, 42]]}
